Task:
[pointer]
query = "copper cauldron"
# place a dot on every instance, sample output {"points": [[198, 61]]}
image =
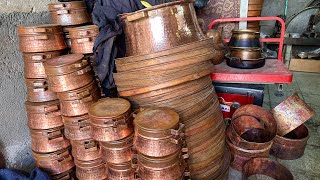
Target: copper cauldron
{"points": [[69, 13], [164, 26], [158, 132], [118, 152], [91, 170], [77, 128], [82, 38], [121, 171], [49, 140], [244, 39], [86, 150], [111, 119], [54, 163], [41, 38], [38, 91]]}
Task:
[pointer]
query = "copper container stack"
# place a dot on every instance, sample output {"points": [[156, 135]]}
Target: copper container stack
{"points": [[111, 120], [168, 65]]}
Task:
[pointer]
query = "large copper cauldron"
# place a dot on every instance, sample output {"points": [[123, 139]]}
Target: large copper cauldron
{"points": [[91, 170], [118, 152], [82, 38], [158, 132], [54, 163], [41, 38], [121, 171], [161, 27], [111, 119], [38, 91], [77, 128], [86, 150], [69, 13]]}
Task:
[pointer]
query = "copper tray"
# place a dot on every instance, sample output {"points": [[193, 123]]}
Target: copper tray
{"points": [[91, 170], [86, 150], [37, 91], [77, 128]]}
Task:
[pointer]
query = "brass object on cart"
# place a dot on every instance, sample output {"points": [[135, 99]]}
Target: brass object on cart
{"points": [[268, 167], [38, 91], [54, 163], [219, 47], [245, 38], [77, 128], [121, 171], [91, 170], [118, 152], [86, 150], [40, 38], [245, 63], [69, 13], [175, 24], [68, 175], [111, 119], [49, 140], [82, 38], [246, 53]]}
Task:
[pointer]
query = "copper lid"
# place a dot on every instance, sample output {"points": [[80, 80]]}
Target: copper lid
{"points": [[120, 144], [83, 31], [64, 60], [42, 107], [39, 29], [109, 108], [157, 119], [66, 5]]}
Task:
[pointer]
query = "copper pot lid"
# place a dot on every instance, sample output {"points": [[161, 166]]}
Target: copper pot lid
{"points": [[120, 144], [109, 108], [42, 107], [64, 60], [36, 29], [83, 31], [157, 119], [66, 5]]}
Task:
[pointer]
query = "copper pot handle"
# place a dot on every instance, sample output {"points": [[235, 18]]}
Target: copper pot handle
{"points": [[178, 131], [40, 30], [84, 70], [61, 155], [81, 64], [83, 33], [39, 83], [84, 128], [69, 158], [53, 114], [137, 16], [134, 162], [83, 94], [82, 40], [43, 37], [62, 12], [43, 89], [38, 57], [59, 5], [86, 99], [51, 108], [176, 140]]}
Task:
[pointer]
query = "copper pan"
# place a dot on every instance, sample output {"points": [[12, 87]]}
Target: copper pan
{"points": [[65, 64], [44, 120], [265, 166], [54, 163], [118, 152], [37, 91], [68, 175], [91, 170], [67, 17], [174, 17], [291, 113], [77, 128], [121, 171], [86, 150]]}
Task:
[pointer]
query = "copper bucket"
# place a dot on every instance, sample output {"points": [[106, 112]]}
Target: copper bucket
{"points": [[69, 13], [54, 163], [117, 152], [175, 24], [121, 171], [86, 150], [37, 91], [111, 119], [41, 38], [291, 113], [50, 140], [82, 38], [77, 128], [91, 170]]}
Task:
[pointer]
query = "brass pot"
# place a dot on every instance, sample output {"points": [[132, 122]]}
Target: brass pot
{"points": [[91, 170], [38, 91], [77, 128], [244, 39], [121, 171], [86, 150], [246, 53], [82, 38]]}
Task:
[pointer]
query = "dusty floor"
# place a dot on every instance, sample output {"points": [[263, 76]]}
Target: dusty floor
{"points": [[307, 85]]}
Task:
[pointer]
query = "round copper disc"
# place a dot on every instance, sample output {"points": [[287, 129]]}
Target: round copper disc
{"points": [[64, 60], [109, 107]]}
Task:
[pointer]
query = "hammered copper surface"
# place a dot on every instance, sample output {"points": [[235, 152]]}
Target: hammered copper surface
{"points": [[47, 120], [39, 29], [77, 128], [86, 150], [268, 167], [37, 91], [83, 45], [65, 64], [42, 107], [121, 171], [109, 108], [34, 70], [165, 26], [67, 17], [82, 92], [91, 170], [291, 113], [244, 39]]}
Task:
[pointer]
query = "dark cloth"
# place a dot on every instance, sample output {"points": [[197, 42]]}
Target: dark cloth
{"points": [[11, 174]]}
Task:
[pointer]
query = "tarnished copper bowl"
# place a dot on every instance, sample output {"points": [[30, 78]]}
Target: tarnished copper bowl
{"points": [[111, 119], [86, 150], [49, 140], [41, 38], [69, 13], [77, 128], [121, 171], [38, 91], [158, 132], [54, 163], [82, 38], [244, 39], [118, 152], [91, 170], [165, 26], [292, 145]]}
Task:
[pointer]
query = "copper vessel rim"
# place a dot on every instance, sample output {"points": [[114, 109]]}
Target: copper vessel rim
{"points": [[296, 140]]}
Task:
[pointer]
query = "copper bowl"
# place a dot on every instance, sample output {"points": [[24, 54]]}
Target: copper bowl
{"points": [[118, 152], [54, 163], [245, 38], [121, 171], [37, 91], [175, 24], [86, 150], [91, 170], [77, 128], [82, 38]]}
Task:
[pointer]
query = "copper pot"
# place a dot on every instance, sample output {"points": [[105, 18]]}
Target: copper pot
{"points": [[246, 53], [41, 38], [82, 38], [69, 13], [77, 128], [68, 175], [244, 39], [91, 170], [86, 150], [292, 145], [54, 163], [157, 132], [49, 140], [41, 56], [44, 107], [121, 171], [77, 94], [118, 152], [111, 119], [37, 91], [175, 24], [291, 113]]}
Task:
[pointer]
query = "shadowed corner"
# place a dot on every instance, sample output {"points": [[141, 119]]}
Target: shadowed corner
{"points": [[2, 158]]}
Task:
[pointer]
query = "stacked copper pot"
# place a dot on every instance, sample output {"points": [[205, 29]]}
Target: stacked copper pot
{"points": [[112, 126], [168, 65], [71, 77], [51, 150]]}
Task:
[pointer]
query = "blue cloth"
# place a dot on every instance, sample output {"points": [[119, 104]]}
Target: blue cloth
{"points": [[12, 174]]}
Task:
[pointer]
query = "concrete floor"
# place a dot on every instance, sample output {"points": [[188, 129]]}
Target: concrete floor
{"points": [[307, 85]]}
